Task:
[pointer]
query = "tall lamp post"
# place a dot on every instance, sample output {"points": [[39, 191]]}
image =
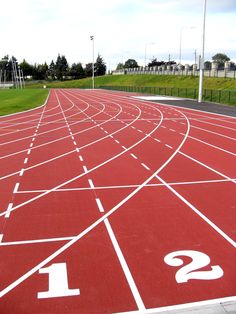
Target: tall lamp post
{"points": [[92, 38], [201, 74]]}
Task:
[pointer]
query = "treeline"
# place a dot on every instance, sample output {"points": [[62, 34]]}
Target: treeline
{"points": [[56, 70]]}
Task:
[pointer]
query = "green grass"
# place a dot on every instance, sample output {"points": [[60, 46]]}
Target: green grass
{"points": [[13, 100], [144, 80]]}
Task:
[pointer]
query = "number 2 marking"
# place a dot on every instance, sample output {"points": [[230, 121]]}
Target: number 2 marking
{"points": [[199, 260]]}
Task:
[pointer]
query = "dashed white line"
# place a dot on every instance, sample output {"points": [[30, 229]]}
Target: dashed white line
{"points": [[156, 139], [99, 204], [29, 151], [168, 146], [81, 158], [117, 142], [31, 145], [26, 160], [75, 143], [7, 215], [1, 236], [77, 149], [22, 172], [134, 156], [123, 147], [91, 183], [145, 166], [16, 187], [85, 169], [33, 139], [172, 130]]}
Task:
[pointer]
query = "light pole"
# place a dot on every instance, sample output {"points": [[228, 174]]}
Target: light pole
{"points": [[92, 38], [201, 74]]}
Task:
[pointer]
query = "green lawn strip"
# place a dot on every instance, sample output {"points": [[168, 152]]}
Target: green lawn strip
{"points": [[13, 100]]}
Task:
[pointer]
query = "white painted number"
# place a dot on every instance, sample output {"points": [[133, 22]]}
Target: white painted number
{"points": [[199, 260], [58, 282]]}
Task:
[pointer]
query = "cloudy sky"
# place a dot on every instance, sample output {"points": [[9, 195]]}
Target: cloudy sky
{"points": [[38, 30]]}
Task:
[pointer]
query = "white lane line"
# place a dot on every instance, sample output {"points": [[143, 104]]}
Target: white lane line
{"points": [[156, 139], [125, 267], [117, 141], [1, 236], [123, 147], [29, 151], [81, 158], [208, 167], [145, 166], [75, 143], [85, 169], [26, 160], [31, 145], [91, 183], [122, 260], [7, 215], [168, 146], [134, 156], [172, 130], [77, 149], [215, 227], [33, 139], [16, 187], [99, 204], [73, 138], [36, 241], [22, 172]]}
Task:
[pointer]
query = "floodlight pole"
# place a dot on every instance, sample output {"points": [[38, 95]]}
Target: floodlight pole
{"points": [[201, 73], [92, 38]]}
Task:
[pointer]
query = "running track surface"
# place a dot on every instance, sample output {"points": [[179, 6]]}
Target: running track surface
{"points": [[110, 204]]}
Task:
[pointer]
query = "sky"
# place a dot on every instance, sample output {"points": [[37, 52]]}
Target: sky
{"points": [[39, 30]]}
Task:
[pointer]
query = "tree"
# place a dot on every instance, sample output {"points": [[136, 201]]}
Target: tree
{"points": [[26, 68], [52, 70], [88, 69], [99, 66], [120, 66], [220, 58], [131, 63], [61, 67], [77, 71]]}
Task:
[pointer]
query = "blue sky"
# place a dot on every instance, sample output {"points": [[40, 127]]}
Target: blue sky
{"points": [[38, 30]]}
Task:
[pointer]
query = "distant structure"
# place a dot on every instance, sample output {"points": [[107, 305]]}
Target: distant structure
{"points": [[213, 70], [16, 75]]}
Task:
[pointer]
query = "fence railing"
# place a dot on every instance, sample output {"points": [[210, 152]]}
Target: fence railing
{"points": [[218, 96]]}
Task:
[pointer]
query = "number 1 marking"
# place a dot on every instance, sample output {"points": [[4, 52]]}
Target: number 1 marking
{"points": [[58, 282], [199, 260]]}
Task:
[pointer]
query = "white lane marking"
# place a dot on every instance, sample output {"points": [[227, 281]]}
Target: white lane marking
{"points": [[85, 169], [91, 183], [208, 167], [77, 149], [29, 151], [125, 267], [123, 147], [81, 158], [1, 236], [26, 160], [93, 225], [145, 166], [172, 130], [16, 187], [22, 172], [134, 156], [75, 143], [215, 133], [99, 204], [7, 215], [156, 139], [36, 241], [33, 139], [73, 138], [31, 145], [207, 220], [168, 146], [117, 141], [126, 186]]}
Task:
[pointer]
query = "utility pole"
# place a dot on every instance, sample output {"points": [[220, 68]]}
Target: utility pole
{"points": [[92, 38], [201, 74]]}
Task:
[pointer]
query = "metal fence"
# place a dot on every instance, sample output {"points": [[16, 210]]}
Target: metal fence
{"points": [[218, 96]]}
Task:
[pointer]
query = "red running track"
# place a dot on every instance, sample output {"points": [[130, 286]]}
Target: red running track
{"points": [[110, 204]]}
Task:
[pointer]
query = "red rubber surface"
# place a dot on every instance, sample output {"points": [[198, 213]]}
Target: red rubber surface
{"points": [[106, 186]]}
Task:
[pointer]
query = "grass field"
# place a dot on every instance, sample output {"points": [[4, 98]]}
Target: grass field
{"points": [[143, 81], [13, 100]]}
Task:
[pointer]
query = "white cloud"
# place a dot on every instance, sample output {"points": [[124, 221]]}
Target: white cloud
{"points": [[40, 29]]}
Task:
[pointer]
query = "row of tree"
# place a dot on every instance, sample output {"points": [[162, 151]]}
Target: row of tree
{"points": [[220, 58], [56, 70]]}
